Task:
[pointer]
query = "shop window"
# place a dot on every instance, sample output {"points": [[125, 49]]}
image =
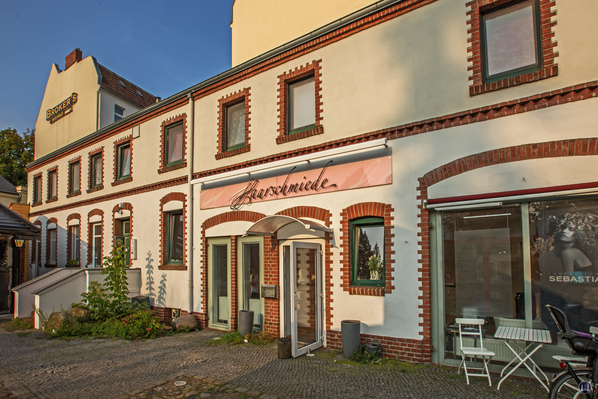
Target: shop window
{"points": [[367, 252], [119, 113], [174, 244], [300, 103], [174, 144], [124, 161], [235, 126], [96, 244], [96, 166], [75, 178], [219, 299], [511, 40], [37, 189], [52, 185]]}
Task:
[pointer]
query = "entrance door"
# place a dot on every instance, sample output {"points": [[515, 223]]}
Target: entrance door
{"points": [[306, 294], [127, 241]]}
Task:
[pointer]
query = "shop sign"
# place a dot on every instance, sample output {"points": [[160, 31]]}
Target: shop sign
{"points": [[62, 109], [330, 178]]}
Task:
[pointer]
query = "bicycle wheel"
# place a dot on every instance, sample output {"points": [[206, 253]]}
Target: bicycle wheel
{"points": [[566, 387]]}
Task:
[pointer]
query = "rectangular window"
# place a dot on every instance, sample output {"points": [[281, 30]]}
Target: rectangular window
{"points": [[97, 244], [301, 106], [37, 189], [367, 251], [96, 171], [174, 144], [251, 272], [235, 126], [52, 185], [75, 178], [219, 283], [124, 161], [53, 245], [119, 113], [175, 238], [511, 41], [74, 235]]}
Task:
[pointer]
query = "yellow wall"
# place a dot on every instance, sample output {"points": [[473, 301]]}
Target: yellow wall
{"points": [[81, 78], [261, 25]]}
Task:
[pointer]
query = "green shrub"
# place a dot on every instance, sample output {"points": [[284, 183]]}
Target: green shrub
{"points": [[362, 356], [142, 324], [116, 282], [235, 338], [20, 324]]}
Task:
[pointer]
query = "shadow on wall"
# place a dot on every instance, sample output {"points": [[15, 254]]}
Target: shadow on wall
{"points": [[149, 281], [161, 298]]}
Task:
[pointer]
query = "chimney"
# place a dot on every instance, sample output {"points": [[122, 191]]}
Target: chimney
{"points": [[75, 56]]}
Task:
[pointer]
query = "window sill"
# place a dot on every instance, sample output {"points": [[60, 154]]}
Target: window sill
{"points": [[36, 204], [50, 265], [52, 200], [122, 181], [371, 291], [172, 167], [73, 266], [172, 267], [73, 194], [234, 152], [545, 73], [94, 189], [301, 135]]}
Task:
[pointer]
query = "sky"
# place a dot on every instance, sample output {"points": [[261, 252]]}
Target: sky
{"points": [[162, 46]]}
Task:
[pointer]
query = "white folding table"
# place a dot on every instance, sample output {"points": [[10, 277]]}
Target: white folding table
{"points": [[536, 338]]}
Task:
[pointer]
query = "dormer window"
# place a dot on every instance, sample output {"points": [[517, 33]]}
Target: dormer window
{"points": [[139, 94], [120, 82]]}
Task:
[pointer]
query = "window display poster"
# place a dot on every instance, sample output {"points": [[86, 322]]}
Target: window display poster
{"points": [[483, 273], [566, 248]]}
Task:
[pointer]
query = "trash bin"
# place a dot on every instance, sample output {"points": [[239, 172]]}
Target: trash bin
{"points": [[373, 347], [350, 331], [245, 322], [284, 348]]}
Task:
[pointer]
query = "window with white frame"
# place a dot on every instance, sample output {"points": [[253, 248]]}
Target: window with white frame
{"points": [[174, 144], [52, 240], [235, 125], [96, 244], [119, 113], [301, 104], [96, 171]]}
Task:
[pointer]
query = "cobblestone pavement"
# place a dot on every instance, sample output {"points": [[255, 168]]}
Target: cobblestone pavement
{"points": [[185, 366]]}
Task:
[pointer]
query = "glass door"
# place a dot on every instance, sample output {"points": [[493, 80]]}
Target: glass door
{"points": [[306, 292], [250, 253], [219, 289], [127, 241]]}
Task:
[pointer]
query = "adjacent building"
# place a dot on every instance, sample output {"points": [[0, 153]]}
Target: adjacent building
{"points": [[402, 163]]}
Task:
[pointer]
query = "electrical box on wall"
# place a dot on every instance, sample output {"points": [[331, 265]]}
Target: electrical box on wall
{"points": [[270, 291], [175, 313], [134, 249]]}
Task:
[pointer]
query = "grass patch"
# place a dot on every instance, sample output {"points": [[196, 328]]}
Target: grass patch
{"points": [[18, 324], [234, 338]]}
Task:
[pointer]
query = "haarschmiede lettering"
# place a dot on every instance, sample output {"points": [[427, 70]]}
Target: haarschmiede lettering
{"points": [[251, 191]]}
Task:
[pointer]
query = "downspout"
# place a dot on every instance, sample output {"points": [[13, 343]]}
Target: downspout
{"points": [[190, 202]]}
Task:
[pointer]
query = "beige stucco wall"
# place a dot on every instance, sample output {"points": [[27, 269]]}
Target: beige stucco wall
{"points": [[81, 78], [261, 25]]}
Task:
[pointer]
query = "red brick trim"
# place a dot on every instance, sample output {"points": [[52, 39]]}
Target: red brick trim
{"points": [[90, 242], [164, 231], [91, 154], [73, 216], [324, 215], [549, 66], [175, 120], [117, 144], [223, 103], [360, 210], [121, 194], [48, 173], [69, 177], [562, 96], [48, 222], [126, 206], [233, 216], [406, 349], [310, 69], [41, 189]]}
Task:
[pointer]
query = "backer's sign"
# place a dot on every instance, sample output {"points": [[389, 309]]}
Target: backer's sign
{"points": [[62, 109], [330, 178]]}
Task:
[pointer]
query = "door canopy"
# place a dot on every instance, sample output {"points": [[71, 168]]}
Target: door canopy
{"points": [[269, 225]]}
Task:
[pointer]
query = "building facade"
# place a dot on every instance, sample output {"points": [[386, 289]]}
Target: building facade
{"points": [[407, 164]]}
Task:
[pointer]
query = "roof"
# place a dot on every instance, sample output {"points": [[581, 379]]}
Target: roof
{"points": [[13, 223], [125, 89], [7, 187]]}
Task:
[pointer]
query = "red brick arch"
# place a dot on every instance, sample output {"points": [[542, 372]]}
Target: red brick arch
{"points": [[548, 149]]}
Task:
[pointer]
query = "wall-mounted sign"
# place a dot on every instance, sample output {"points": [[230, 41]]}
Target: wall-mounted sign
{"points": [[62, 109], [330, 178]]}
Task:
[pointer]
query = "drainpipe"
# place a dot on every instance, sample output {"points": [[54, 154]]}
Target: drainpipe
{"points": [[190, 202]]}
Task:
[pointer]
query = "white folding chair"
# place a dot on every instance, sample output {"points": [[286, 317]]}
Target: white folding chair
{"points": [[473, 327]]}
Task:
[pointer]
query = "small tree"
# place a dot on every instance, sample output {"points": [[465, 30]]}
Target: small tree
{"points": [[16, 151], [117, 282]]}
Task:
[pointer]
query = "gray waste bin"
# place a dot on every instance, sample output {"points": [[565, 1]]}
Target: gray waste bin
{"points": [[245, 322], [350, 331]]}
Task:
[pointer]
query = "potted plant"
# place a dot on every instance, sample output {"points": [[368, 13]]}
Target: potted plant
{"points": [[376, 267]]}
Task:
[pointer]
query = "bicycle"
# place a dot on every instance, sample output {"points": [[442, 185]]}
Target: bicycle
{"points": [[580, 377]]}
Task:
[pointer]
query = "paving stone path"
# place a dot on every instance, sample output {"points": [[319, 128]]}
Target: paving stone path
{"points": [[186, 366]]}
